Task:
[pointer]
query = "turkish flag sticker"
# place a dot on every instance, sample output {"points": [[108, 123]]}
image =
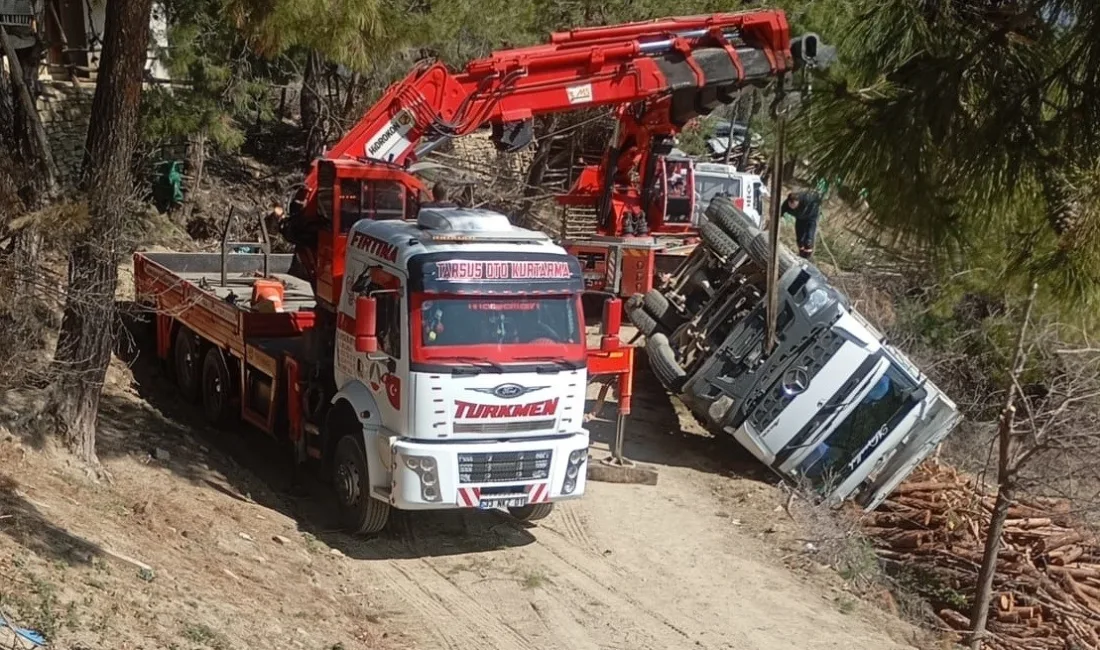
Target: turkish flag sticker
{"points": [[393, 390]]}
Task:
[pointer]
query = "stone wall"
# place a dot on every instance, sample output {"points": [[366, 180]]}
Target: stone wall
{"points": [[65, 110]]}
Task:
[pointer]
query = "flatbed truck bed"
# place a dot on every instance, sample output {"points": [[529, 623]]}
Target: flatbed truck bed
{"points": [[234, 358]]}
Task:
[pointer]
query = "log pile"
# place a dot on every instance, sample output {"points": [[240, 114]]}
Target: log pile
{"points": [[1047, 588]]}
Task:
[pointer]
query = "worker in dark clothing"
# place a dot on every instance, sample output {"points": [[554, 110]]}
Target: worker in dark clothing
{"points": [[440, 197], [805, 207]]}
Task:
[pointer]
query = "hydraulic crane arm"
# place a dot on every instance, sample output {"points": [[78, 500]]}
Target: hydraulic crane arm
{"points": [[698, 62], [682, 67]]}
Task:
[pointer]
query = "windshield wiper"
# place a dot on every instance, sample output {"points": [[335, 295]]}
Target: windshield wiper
{"points": [[474, 360], [561, 363]]}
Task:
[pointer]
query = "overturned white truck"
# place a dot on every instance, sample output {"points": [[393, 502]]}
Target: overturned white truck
{"points": [[832, 405]]}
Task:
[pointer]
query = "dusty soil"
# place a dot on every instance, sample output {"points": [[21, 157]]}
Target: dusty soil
{"points": [[200, 541]]}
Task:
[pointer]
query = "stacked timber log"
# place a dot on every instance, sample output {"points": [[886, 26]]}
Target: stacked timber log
{"points": [[1047, 588]]}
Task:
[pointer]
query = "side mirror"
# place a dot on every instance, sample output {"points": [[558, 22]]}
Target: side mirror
{"points": [[809, 47], [366, 325], [612, 323]]}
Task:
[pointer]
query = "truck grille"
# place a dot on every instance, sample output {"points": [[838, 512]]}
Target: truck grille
{"points": [[813, 358], [504, 427], [500, 467]]}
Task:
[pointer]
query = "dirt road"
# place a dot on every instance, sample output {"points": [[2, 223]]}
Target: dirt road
{"points": [[631, 567], [240, 560]]}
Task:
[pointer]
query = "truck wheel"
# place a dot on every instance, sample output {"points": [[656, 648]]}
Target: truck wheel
{"points": [[645, 323], [217, 388], [658, 306], [187, 364], [733, 222], [532, 512], [663, 361], [718, 241], [360, 513]]}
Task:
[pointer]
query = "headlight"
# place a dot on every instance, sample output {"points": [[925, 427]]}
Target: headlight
{"points": [[572, 471], [817, 299], [427, 463], [412, 462], [577, 456], [428, 478]]}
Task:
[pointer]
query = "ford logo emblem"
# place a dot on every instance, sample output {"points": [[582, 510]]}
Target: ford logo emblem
{"points": [[507, 391]]}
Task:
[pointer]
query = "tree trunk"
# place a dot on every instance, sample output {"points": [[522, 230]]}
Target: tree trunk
{"points": [[537, 170], [351, 97], [7, 111], [34, 148], [196, 162], [87, 328], [310, 107], [1007, 479], [1006, 492]]}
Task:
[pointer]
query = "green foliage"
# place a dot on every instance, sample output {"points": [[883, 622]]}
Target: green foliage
{"points": [[218, 81], [456, 31], [693, 139], [351, 32], [967, 122]]}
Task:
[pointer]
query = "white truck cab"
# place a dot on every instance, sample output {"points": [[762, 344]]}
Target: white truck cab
{"points": [[831, 403], [461, 349], [747, 191]]}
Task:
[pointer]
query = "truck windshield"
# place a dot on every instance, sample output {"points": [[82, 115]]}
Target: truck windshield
{"points": [[497, 328], [861, 432], [708, 187]]}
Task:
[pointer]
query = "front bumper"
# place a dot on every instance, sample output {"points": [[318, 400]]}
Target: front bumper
{"points": [[436, 476]]}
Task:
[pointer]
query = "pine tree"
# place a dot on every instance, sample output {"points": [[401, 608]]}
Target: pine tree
{"points": [[973, 127]]}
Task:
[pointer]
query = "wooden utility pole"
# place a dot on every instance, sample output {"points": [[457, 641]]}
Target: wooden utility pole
{"points": [[773, 224]]}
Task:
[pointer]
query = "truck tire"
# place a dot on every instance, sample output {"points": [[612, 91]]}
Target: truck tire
{"points": [[217, 388], [532, 512], [732, 221], [360, 513], [741, 232], [187, 364], [718, 241], [645, 323], [662, 311], [662, 360]]}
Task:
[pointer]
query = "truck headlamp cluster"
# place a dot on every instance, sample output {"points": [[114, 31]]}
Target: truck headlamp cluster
{"points": [[424, 466], [817, 299], [576, 460]]}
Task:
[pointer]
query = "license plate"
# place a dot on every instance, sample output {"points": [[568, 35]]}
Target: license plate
{"points": [[502, 502]]}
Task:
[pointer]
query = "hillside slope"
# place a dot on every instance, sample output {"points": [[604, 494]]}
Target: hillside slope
{"points": [[238, 559]]}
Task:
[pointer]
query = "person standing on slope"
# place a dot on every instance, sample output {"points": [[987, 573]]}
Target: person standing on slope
{"points": [[805, 207]]}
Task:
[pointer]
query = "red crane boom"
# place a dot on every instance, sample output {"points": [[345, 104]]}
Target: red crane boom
{"points": [[671, 69]]}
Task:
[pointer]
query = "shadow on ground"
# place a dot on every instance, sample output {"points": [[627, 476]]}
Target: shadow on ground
{"points": [[250, 466], [660, 431], [149, 420], [25, 523]]}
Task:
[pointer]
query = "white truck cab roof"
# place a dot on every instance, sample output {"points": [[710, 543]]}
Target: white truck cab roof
{"points": [[445, 229]]}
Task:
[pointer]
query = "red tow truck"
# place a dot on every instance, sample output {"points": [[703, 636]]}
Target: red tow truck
{"points": [[430, 357]]}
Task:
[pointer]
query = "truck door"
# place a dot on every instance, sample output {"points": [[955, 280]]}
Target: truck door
{"points": [[757, 200], [679, 182], [387, 370]]}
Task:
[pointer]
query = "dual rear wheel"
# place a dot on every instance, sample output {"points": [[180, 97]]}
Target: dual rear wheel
{"points": [[202, 375]]}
